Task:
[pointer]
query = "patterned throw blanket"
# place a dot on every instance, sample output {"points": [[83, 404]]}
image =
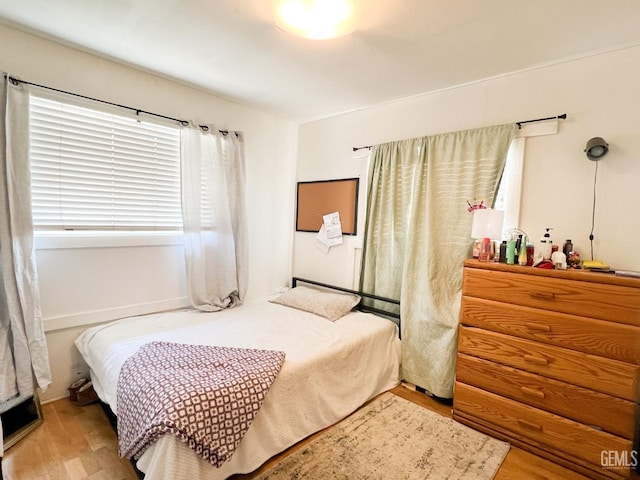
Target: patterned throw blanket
{"points": [[205, 396]]}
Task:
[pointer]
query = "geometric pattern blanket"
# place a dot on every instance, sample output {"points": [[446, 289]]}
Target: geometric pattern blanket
{"points": [[206, 396]]}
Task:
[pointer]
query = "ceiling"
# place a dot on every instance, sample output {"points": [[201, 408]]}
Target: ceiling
{"points": [[401, 48]]}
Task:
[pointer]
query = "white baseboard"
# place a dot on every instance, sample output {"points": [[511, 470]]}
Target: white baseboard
{"points": [[49, 400]]}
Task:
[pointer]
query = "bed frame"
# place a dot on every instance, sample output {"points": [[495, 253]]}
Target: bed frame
{"points": [[393, 315]]}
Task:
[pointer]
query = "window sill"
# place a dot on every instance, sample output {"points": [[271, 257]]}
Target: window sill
{"points": [[62, 240]]}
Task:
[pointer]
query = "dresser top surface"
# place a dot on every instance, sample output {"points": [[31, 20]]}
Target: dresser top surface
{"points": [[582, 275]]}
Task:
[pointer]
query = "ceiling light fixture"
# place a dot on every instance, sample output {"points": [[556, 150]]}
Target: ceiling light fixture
{"points": [[315, 19]]}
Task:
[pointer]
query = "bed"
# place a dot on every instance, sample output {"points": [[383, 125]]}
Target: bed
{"points": [[330, 370]]}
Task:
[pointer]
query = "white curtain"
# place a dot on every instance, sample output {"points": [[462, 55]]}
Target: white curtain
{"points": [[417, 236], [23, 348], [214, 217]]}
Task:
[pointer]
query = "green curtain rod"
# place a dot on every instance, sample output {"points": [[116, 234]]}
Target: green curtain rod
{"points": [[559, 117], [138, 111]]}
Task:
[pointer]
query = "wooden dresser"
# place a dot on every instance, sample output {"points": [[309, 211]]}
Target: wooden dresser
{"points": [[548, 360]]}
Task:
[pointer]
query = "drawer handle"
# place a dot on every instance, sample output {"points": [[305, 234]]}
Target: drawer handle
{"points": [[543, 295], [533, 392], [537, 327], [529, 425], [534, 359]]}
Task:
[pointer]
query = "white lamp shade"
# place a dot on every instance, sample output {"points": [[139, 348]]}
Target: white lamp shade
{"points": [[487, 223]]}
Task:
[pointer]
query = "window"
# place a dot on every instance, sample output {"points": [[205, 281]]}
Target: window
{"points": [[509, 192], [508, 195], [97, 171]]}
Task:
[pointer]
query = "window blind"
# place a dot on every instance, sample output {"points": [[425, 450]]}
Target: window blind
{"points": [[93, 170]]}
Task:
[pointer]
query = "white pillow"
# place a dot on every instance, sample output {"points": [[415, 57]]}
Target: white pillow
{"points": [[326, 304]]}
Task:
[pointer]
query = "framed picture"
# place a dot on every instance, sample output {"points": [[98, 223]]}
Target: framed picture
{"points": [[315, 199]]}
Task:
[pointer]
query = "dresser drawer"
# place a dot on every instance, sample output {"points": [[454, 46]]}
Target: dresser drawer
{"points": [[547, 430], [598, 337], [585, 298], [601, 374], [610, 414]]}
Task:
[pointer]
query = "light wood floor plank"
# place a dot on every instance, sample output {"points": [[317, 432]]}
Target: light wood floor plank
{"points": [[78, 443], [75, 469]]}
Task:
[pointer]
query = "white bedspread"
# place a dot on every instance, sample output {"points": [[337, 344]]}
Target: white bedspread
{"points": [[331, 369]]}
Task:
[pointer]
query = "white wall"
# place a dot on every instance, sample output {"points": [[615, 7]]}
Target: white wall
{"points": [[601, 97], [80, 285], [598, 93]]}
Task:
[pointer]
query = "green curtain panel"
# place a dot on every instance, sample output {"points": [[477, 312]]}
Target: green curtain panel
{"points": [[417, 236]]}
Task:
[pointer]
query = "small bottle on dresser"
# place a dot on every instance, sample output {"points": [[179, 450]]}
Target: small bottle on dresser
{"points": [[546, 245], [477, 247], [511, 251], [522, 253], [485, 250], [502, 257]]}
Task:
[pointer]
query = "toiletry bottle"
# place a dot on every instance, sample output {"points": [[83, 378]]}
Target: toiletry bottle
{"points": [[522, 254], [545, 245], [502, 258], [530, 254], [485, 251], [567, 248], [511, 251], [477, 246]]}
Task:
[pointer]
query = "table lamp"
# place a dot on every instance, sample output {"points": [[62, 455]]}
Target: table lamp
{"points": [[487, 226]]}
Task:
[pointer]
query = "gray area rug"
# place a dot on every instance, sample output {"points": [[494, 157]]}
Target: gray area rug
{"points": [[392, 438]]}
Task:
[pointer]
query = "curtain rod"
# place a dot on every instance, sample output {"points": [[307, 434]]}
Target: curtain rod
{"points": [[558, 117], [138, 111], [519, 124]]}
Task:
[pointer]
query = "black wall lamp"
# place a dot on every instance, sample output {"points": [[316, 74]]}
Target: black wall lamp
{"points": [[596, 148]]}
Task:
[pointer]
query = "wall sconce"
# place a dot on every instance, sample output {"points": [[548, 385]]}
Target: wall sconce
{"points": [[596, 148]]}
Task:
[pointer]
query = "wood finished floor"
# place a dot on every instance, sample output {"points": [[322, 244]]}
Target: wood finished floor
{"points": [[77, 443]]}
